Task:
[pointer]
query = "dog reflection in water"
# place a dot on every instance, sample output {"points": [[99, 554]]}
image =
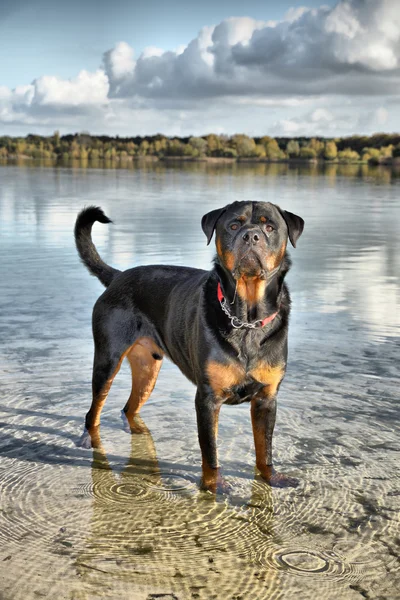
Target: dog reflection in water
{"points": [[153, 532]]}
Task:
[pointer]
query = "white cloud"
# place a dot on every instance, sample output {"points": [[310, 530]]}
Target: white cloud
{"points": [[343, 21], [23, 95], [85, 90], [276, 101], [119, 62], [294, 13], [321, 114], [338, 121], [381, 115], [351, 48], [150, 51], [288, 127], [180, 49], [375, 119], [5, 92]]}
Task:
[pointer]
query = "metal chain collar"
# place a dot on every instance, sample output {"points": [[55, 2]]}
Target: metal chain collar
{"points": [[235, 321]]}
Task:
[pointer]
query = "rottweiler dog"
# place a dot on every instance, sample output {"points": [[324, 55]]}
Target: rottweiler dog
{"points": [[226, 329]]}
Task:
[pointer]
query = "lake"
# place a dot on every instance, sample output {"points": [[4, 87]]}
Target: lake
{"points": [[128, 520]]}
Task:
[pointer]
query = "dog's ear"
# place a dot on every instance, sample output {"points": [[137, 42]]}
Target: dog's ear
{"points": [[209, 222], [294, 224]]}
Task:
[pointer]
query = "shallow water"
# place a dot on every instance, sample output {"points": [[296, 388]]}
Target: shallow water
{"points": [[128, 520]]}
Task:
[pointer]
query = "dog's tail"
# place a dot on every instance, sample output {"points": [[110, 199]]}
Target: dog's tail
{"points": [[87, 250]]}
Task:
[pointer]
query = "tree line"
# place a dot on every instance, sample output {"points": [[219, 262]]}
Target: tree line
{"points": [[375, 149]]}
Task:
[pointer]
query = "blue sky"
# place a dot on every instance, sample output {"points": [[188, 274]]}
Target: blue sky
{"points": [[181, 68]]}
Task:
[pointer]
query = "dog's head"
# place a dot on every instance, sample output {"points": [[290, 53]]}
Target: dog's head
{"points": [[251, 237]]}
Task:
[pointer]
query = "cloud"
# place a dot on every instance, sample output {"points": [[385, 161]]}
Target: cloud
{"points": [[246, 71], [335, 122], [375, 119], [48, 99], [351, 48], [119, 62], [381, 115], [87, 89], [48, 92]]}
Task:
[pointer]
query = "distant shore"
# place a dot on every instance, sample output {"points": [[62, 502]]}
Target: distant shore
{"points": [[380, 148], [211, 160]]}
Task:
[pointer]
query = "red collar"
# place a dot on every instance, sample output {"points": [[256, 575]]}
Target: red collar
{"points": [[234, 320]]}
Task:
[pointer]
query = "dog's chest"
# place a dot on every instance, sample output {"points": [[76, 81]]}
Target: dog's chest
{"points": [[235, 384], [246, 345]]}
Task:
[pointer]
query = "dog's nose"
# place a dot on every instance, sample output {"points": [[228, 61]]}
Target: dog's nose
{"points": [[251, 237]]}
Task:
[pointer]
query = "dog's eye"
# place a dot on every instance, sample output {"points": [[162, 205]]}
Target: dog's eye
{"points": [[269, 228], [234, 226]]}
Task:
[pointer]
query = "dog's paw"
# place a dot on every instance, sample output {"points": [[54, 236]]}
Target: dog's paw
{"points": [[213, 482], [133, 424], [278, 480], [89, 440]]}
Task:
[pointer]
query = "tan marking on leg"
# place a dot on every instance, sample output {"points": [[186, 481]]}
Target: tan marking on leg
{"points": [[261, 407], [100, 399], [145, 369], [210, 477], [223, 376], [260, 441]]}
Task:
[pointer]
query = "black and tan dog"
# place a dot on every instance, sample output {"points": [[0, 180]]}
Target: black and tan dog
{"points": [[226, 329]]}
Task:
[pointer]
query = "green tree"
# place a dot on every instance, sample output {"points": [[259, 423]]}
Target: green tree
{"points": [[244, 145], [175, 148], [348, 155], [293, 149], [20, 148], [110, 153], [307, 152], [371, 155], [330, 152], [160, 146], [143, 148], [190, 151], [199, 144], [317, 145], [75, 151], [94, 154], [216, 145], [56, 141], [260, 151], [230, 153], [131, 148], [386, 151], [272, 150]]}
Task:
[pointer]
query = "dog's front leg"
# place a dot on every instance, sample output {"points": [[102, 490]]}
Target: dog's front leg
{"points": [[207, 409], [263, 416]]}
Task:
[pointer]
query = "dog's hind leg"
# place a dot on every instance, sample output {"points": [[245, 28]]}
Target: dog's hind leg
{"points": [[105, 367], [145, 358]]}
